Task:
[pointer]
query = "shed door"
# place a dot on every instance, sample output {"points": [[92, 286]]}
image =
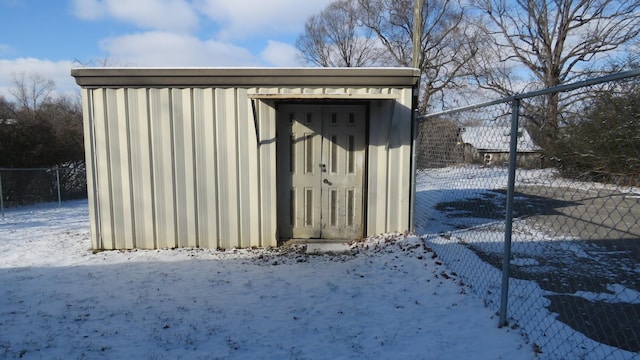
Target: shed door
{"points": [[321, 152]]}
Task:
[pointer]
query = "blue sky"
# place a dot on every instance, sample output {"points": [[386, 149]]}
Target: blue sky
{"points": [[49, 36]]}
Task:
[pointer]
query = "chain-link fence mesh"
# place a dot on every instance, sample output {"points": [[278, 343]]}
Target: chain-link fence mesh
{"points": [[31, 186], [574, 284]]}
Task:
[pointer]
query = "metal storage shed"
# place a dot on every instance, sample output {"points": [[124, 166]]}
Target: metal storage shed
{"points": [[243, 157]]}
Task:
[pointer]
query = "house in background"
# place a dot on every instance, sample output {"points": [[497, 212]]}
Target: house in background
{"points": [[489, 145], [244, 157]]}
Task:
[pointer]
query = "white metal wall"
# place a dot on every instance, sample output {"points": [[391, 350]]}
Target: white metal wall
{"points": [[182, 167], [389, 165]]}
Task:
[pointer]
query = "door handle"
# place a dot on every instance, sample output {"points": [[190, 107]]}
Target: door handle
{"points": [[327, 182]]}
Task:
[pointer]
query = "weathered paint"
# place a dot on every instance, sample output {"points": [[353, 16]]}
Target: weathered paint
{"points": [[172, 165]]}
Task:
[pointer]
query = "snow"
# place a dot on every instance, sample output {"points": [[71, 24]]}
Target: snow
{"points": [[390, 297], [619, 293], [497, 138], [454, 235]]}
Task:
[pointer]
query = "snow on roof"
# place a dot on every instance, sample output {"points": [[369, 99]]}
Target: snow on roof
{"points": [[496, 138]]}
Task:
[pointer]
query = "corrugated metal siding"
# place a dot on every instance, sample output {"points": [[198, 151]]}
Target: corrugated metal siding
{"points": [[267, 200], [389, 163], [87, 111], [142, 184], [399, 168], [181, 167], [206, 164]]}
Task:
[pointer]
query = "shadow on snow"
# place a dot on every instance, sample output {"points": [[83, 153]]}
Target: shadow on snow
{"points": [[566, 240]]}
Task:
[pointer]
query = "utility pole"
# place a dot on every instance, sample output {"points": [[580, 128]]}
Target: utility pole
{"points": [[417, 32], [417, 47]]}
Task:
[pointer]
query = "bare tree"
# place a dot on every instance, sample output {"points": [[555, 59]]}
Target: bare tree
{"points": [[7, 111], [31, 91], [40, 128], [333, 38], [448, 40], [557, 41]]}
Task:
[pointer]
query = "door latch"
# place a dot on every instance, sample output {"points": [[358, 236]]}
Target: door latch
{"points": [[323, 168]]}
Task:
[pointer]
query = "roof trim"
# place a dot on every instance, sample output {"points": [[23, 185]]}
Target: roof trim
{"points": [[189, 77], [341, 96]]}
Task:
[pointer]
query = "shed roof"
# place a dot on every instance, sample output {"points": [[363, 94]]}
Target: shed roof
{"points": [[219, 76], [497, 138]]}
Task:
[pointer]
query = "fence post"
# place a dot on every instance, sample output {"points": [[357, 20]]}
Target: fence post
{"points": [[1, 195], [506, 257], [58, 184]]}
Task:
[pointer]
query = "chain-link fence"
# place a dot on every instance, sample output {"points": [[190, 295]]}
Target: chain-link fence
{"points": [[38, 185], [566, 213]]}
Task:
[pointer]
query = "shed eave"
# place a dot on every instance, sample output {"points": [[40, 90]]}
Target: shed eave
{"points": [[189, 77], [337, 96]]}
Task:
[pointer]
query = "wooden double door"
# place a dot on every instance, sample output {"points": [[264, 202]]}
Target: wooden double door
{"points": [[321, 166]]}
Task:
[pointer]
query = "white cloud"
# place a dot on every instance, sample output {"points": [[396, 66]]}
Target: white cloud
{"points": [[58, 71], [243, 18], [280, 54], [175, 15], [171, 38], [88, 9], [157, 48]]}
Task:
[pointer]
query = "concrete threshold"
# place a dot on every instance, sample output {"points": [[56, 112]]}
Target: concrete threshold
{"points": [[317, 248], [320, 247]]}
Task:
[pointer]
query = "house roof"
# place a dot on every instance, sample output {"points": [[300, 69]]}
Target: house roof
{"points": [[187, 77], [497, 139]]}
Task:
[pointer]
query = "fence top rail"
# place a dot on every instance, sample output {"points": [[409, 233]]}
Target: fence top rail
{"points": [[28, 169], [554, 89]]}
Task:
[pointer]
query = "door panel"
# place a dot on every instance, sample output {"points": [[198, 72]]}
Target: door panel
{"points": [[299, 155], [320, 171], [343, 146]]}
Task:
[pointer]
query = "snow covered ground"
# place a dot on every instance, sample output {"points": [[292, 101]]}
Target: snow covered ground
{"points": [[460, 214], [391, 298]]}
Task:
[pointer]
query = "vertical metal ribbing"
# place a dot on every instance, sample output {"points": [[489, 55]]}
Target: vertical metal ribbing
{"points": [[259, 175], [108, 178], [127, 119], [194, 163], [152, 181], [506, 257]]}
